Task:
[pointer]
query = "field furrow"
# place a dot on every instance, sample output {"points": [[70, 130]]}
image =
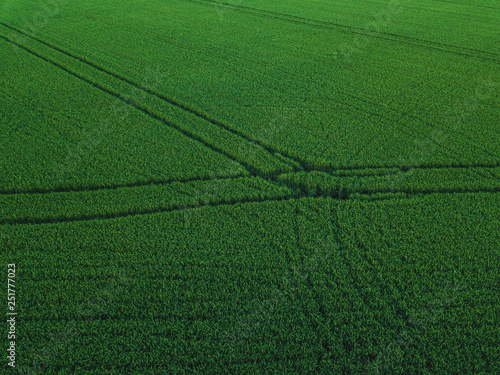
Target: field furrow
{"points": [[250, 187]]}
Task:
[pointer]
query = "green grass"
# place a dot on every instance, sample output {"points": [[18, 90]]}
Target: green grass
{"points": [[251, 187]]}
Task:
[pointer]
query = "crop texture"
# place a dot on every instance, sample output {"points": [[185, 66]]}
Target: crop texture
{"points": [[251, 187]]}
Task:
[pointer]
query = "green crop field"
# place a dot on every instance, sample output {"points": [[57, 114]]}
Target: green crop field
{"points": [[250, 187]]}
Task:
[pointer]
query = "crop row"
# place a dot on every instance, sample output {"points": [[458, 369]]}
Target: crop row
{"points": [[411, 181], [344, 305], [376, 18], [234, 80], [144, 97], [18, 208], [47, 150]]}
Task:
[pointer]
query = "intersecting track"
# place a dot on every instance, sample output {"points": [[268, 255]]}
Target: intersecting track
{"points": [[186, 133], [344, 172], [135, 105], [304, 165], [117, 95], [449, 48], [361, 100], [302, 194], [171, 101]]}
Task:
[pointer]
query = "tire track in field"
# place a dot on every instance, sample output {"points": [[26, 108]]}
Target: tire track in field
{"points": [[270, 149], [262, 63], [160, 96], [485, 172], [295, 158], [179, 208], [358, 30], [271, 179], [249, 200], [141, 108], [358, 98], [437, 166], [249, 139], [119, 186]]}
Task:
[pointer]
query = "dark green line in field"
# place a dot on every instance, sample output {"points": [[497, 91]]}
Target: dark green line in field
{"points": [[139, 212], [171, 101], [249, 167], [119, 186], [357, 30], [272, 150], [271, 179], [350, 104], [347, 195], [299, 193], [330, 171], [141, 108]]}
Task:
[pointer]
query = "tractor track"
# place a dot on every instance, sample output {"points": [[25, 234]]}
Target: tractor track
{"points": [[255, 200]]}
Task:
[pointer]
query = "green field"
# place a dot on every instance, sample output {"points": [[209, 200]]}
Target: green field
{"points": [[250, 186]]}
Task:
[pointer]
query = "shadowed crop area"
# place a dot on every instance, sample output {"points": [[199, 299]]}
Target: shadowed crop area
{"points": [[250, 187]]}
